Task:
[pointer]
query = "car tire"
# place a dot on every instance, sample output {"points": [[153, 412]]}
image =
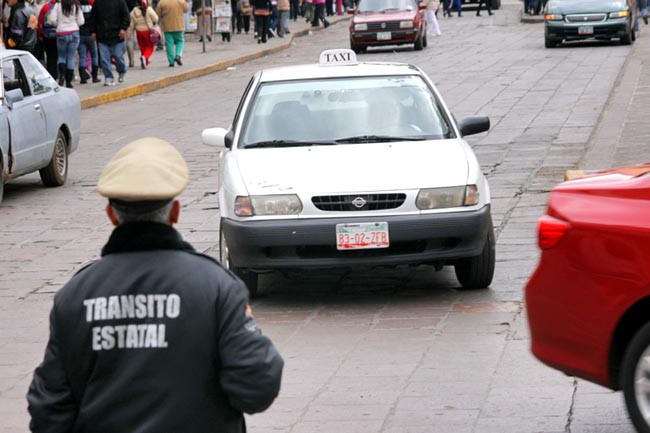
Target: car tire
{"points": [[56, 172], [496, 4], [549, 43], [477, 272], [425, 42], [637, 400], [357, 48], [418, 43], [627, 39], [2, 182], [249, 278]]}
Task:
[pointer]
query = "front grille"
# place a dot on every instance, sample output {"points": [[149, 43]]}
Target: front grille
{"points": [[586, 18], [358, 202], [390, 25]]}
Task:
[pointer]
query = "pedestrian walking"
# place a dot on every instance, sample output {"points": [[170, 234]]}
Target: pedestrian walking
{"points": [[143, 21], [284, 10], [261, 11], [309, 10], [459, 8], [171, 13], [47, 34], [488, 7], [87, 45], [108, 22], [198, 10], [130, 39], [432, 7], [319, 14], [642, 9], [294, 9], [246, 11], [68, 17], [20, 33], [154, 336]]}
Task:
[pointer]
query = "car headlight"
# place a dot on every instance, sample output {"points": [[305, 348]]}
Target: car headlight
{"points": [[454, 196], [288, 204], [553, 17], [620, 14], [361, 27], [406, 24]]}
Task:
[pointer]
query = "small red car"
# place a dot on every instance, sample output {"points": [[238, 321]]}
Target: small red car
{"points": [[387, 22], [588, 301]]}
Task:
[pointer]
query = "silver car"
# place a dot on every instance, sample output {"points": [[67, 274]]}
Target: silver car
{"points": [[39, 121]]}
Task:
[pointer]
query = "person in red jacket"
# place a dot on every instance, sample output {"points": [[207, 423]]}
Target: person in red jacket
{"points": [[47, 34]]}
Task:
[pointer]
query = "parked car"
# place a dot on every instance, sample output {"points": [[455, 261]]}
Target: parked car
{"points": [[589, 299], [39, 121], [570, 20], [344, 164], [387, 22]]}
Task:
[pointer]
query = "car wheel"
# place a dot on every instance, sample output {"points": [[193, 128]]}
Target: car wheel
{"points": [[56, 172], [477, 272], [249, 278], [635, 378], [2, 184], [627, 39], [549, 43], [418, 42], [354, 47], [424, 41]]}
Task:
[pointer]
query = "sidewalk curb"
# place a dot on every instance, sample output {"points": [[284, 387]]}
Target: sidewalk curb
{"points": [[530, 19], [160, 83]]}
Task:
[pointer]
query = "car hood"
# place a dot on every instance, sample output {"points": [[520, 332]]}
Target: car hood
{"points": [[565, 7], [376, 17], [353, 168]]}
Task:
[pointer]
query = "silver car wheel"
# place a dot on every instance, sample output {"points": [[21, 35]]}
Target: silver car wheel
{"points": [[60, 156], [642, 384]]}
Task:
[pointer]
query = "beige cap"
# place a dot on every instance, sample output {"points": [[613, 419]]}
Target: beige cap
{"points": [[144, 170]]}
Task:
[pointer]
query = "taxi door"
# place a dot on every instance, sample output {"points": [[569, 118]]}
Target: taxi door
{"points": [[26, 121]]}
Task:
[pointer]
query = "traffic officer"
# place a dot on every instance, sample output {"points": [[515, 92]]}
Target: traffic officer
{"points": [[153, 337]]}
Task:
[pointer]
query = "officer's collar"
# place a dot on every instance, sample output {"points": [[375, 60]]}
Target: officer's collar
{"points": [[144, 236]]}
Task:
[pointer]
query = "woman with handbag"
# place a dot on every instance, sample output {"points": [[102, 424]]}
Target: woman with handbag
{"points": [[144, 20], [245, 10]]}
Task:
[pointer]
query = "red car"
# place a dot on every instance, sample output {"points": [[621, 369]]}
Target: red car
{"points": [[588, 301], [387, 22]]}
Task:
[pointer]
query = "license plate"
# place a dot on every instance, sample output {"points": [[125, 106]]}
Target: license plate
{"points": [[384, 36], [361, 236], [586, 30]]}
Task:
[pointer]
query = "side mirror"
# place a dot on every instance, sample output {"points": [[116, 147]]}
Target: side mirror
{"points": [[218, 137], [474, 125], [351, 11], [13, 96]]}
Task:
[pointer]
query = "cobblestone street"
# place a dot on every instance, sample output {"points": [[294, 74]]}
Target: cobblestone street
{"points": [[388, 350]]}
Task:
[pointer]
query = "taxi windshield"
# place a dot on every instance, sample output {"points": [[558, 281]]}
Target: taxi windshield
{"points": [[344, 110], [386, 5]]}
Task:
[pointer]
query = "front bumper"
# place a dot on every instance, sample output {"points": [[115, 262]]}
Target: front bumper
{"points": [[612, 28], [397, 37], [311, 243]]}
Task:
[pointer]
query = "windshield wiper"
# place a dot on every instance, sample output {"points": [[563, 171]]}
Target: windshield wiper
{"points": [[390, 10], [288, 143], [377, 139]]}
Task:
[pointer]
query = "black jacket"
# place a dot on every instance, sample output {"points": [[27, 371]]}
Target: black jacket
{"points": [[152, 338], [22, 27], [107, 18], [86, 7]]}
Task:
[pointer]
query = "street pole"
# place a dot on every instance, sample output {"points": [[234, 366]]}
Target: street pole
{"points": [[203, 30]]}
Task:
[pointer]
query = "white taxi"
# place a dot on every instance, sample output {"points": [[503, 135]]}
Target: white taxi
{"points": [[347, 164]]}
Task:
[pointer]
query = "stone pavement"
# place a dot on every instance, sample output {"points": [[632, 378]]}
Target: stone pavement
{"points": [[219, 55], [390, 351]]}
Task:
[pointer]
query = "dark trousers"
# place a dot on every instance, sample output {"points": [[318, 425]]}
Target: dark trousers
{"points": [[295, 9], [243, 22], [319, 15], [262, 26], [329, 7], [51, 56], [488, 6]]}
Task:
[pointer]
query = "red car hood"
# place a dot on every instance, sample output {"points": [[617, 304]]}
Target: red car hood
{"points": [[374, 17]]}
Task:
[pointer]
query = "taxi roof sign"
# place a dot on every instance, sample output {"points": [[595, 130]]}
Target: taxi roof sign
{"points": [[338, 57]]}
